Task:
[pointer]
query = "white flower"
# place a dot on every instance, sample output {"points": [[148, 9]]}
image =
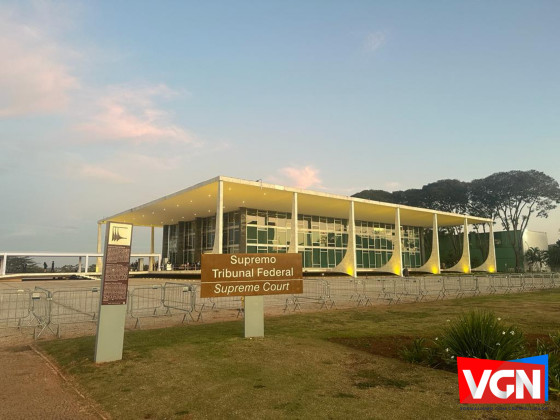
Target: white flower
{"points": [[447, 350], [503, 333], [512, 332], [448, 320], [499, 319], [436, 338], [497, 344], [453, 357]]}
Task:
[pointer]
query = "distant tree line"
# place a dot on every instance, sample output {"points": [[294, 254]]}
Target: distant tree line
{"points": [[511, 198]]}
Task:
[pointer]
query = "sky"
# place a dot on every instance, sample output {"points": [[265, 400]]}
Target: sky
{"points": [[107, 105]]}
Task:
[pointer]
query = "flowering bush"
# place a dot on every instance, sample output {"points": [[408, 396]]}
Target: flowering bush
{"points": [[481, 335]]}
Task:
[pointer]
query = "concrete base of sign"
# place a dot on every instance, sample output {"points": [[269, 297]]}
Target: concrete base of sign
{"points": [[254, 316], [110, 333]]}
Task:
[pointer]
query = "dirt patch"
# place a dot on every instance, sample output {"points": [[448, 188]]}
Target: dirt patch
{"points": [[390, 346], [386, 346]]}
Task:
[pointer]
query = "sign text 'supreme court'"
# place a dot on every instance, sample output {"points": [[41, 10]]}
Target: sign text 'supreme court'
{"points": [[250, 274]]}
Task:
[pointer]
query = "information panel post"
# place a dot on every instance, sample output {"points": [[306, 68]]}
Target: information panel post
{"points": [[114, 288], [251, 276]]}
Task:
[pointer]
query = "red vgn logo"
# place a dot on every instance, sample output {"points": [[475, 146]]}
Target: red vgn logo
{"points": [[522, 381]]}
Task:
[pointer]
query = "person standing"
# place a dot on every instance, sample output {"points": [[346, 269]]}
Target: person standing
{"points": [[44, 266], [52, 267]]}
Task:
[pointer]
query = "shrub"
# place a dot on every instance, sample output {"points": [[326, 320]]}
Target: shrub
{"points": [[419, 353], [479, 334], [553, 351]]}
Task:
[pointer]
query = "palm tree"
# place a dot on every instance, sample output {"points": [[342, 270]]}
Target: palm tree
{"points": [[535, 258]]}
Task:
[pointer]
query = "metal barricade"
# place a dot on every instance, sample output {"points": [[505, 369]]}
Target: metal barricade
{"points": [[431, 286], [74, 306], [41, 308], [468, 285], [408, 289], [314, 291], [451, 287], [179, 297], [499, 284], [516, 283], [529, 283], [368, 290], [539, 280], [555, 279], [358, 291], [548, 282], [388, 291], [345, 289], [145, 302], [15, 308]]}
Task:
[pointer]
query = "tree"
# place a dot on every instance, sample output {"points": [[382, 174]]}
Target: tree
{"points": [[22, 265], [376, 195], [535, 258], [513, 198], [554, 256]]}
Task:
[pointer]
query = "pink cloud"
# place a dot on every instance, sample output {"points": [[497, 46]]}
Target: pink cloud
{"points": [[128, 113], [304, 178], [33, 76]]}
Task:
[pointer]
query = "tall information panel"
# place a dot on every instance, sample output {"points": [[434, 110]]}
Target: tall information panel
{"points": [[114, 288]]}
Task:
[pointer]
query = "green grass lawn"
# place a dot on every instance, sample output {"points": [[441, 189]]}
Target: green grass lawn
{"points": [[299, 369]]}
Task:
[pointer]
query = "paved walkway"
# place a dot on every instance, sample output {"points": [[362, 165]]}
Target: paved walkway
{"points": [[32, 388]]}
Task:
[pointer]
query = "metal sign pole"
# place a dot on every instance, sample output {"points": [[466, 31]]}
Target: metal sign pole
{"points": [[254, 316]]}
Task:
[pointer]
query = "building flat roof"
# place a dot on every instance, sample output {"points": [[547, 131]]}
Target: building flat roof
{"points": [[200, 201]]}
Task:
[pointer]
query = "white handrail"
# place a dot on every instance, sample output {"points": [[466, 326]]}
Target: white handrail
{"points": [[5, 255]]}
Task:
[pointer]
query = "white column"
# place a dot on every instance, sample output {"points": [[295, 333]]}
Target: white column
{"points": [[151, 263], [87, 264], [394, 265], [348, 263], [4, 263], [490, 265], [432, 265], [397, 251], [467, 247], [79, 264], [99, 244], [464, 264], [219, 234], [293, 248], [493, 268]]}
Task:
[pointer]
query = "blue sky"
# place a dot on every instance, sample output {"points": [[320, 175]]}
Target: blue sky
{"points": [[107, 105]]}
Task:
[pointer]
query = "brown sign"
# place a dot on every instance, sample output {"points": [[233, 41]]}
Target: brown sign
{"points": [[116, 264], [225, 275]]}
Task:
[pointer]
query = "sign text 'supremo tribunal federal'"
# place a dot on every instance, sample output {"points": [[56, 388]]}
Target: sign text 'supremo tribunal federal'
{"points": [[250, 274]]}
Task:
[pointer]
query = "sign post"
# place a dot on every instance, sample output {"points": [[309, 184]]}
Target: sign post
{"points": [[114, 288], [251, 276]]}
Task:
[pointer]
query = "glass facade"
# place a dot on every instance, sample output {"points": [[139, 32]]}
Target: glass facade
{"points": [[189, 241], [374, 244], [322, 241], [267, 231], [231, 237], [411, 251], [172, 242]]}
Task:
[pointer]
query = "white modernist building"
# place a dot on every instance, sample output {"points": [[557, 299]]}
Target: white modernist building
{"points": [[333, 233]]}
